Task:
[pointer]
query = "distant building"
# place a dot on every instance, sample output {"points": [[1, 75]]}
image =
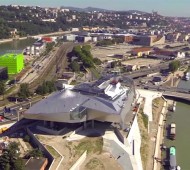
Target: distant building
{"points": [[69, 37], [83, 39], [141, 51], [149, 40], [169, 53], [74, 29], [37, 48], [14, 62]]}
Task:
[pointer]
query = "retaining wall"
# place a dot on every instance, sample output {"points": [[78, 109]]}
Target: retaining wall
{"points": [[41, 147], [51, 131], [79, 162]]}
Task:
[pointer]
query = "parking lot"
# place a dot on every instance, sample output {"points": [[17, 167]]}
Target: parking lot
{"points": [[142, 62], [105, 53]]}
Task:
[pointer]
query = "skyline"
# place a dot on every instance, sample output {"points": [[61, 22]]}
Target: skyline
{"points": [[164, 7]]}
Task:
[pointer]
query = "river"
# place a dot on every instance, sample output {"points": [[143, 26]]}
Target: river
{"points": [[16, 46], [182, 119]]}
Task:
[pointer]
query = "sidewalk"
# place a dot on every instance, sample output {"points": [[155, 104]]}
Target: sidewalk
{"points": [[159, 137]]}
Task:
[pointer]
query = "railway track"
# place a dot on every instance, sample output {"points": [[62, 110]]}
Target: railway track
{"points": [[59, 60]]}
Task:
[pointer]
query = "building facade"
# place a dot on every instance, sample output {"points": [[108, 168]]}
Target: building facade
{"points": [[14, 62]]}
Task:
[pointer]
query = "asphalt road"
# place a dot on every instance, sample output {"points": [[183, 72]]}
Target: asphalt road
{"points": [[157, 68], [17, 107]]}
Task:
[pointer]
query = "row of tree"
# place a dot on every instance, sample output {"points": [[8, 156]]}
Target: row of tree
{"points": [[46, 87], [110, 42], [83, 54], [11, 160]]}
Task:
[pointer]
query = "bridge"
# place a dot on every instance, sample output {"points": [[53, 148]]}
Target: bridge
{"points": [[173, 92], [177, 95]]}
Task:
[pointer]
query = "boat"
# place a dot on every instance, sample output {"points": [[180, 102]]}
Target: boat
{"points": [[187, 76], [173, 164], [172, 107], [172, 134]]}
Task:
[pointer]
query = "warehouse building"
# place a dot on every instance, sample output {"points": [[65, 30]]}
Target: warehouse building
{"points": [[14, 62]]}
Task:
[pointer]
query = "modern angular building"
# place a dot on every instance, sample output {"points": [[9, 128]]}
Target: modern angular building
{"points": [[108, 99], [14, 62]]}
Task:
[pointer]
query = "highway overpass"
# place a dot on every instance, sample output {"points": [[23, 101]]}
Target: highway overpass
{"points": [[172, 92]]}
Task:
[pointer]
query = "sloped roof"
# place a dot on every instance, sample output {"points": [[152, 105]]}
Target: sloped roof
{"points": [[67, 100]]}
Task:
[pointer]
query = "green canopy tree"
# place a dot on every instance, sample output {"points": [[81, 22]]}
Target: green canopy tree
{"points": [[46, 87], [174, 66], [24, 91], [10, 158], [75, 66], [36, 153]]}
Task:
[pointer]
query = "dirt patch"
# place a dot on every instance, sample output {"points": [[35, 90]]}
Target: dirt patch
{"points": [[94, 164], [93, 145], [102, 161], [141, 62], [157, 108]]}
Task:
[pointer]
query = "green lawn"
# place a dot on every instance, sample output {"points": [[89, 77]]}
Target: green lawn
{"points": [[54, 153]]}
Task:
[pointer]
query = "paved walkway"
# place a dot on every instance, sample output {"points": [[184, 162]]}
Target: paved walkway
{"points": [[159, 138], [149, 97]]}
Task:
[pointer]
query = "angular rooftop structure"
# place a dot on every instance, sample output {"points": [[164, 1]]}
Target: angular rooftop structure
{"points": [[108, 99]]}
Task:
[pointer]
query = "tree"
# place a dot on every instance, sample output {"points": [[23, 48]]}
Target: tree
{"points": [[46, 87], [97, 61], [24, 91], [10, 157], [36, 153], [174, 66], [18, 164], [75, 66], [27, 138]]}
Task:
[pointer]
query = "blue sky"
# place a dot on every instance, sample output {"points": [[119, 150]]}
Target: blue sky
{"points": [[165, 7]]}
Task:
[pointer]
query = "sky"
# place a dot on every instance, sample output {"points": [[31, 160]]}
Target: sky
{"points": [[164, 7]]}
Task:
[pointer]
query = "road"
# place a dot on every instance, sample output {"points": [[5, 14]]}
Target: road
{"points": [[17, 107], [157, 68]]}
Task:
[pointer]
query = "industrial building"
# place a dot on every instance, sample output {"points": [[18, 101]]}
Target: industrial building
{"points": [[14, 62], [146, 40]]}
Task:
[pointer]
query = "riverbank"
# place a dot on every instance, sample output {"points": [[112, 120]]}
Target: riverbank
{"points": [[33, 36], [174, 79]]}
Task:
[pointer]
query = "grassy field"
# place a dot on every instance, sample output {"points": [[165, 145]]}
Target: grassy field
{"points": [[144, 136], [54, 153], [93, 145]]}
